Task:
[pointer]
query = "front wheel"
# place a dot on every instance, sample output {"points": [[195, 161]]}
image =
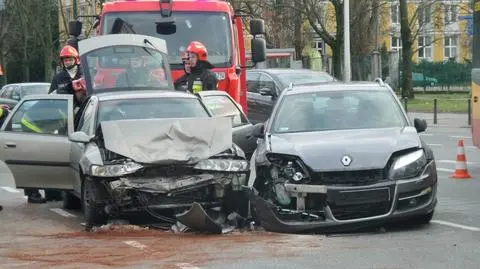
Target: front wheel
{"points": [[92, 210]]}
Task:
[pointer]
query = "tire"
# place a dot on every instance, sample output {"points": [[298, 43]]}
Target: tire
{"points": [[70, 201], [53, 195], [93, 212]]}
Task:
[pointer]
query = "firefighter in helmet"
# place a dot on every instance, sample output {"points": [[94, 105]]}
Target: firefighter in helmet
{"points": [[62, 82], [200, 76]]}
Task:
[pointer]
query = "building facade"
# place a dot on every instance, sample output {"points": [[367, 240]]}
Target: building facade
{"points": [[442, 28]]}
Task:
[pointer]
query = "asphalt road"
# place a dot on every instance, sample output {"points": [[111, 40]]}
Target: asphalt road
{"points": [[44, 236]]}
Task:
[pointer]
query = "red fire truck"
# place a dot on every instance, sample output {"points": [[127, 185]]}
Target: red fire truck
{"points": [[212, 22]]}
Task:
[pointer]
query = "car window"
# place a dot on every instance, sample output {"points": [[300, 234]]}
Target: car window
{"points": [[41, 116], [151, 108], [85, 122], [337, 110], [266, 81], [3, 92], [252, 81], [8, 92], [34, 89], [221, 106]]}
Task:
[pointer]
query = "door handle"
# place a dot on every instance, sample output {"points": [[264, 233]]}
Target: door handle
{"points": [[10, 145]]}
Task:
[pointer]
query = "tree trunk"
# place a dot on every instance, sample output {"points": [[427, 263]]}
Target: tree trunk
{"points": [[48, 46], [25, 64], [337, 49], [298, 33], [407, 52]]}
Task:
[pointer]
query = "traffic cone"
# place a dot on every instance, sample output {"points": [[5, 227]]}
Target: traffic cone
{"points": [[461, 171]]}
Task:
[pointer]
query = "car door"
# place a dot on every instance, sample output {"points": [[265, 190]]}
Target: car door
{"points": [[265, 102], [40, 158], [252, 95], [221, 104]]}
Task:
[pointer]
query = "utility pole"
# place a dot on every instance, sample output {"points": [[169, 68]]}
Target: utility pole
{"points": [[346, 39], [476, 75]]}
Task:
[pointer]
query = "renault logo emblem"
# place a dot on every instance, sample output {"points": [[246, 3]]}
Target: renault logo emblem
{"points": [[346, 160]]}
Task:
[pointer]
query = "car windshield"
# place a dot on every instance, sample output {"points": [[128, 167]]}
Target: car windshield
{"points": [[35, 89], [126, 67], [337, 110], [190, 26], [151, 108], [306, 77]]}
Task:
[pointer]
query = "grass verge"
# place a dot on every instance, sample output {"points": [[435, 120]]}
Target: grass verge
{"points": [[446, 103]]}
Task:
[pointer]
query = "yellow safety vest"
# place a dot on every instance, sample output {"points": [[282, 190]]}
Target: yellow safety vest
{"points": [[26, 121]]}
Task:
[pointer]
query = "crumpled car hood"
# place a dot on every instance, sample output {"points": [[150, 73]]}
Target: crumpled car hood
{"points": [[164, 141], [368, 148]]}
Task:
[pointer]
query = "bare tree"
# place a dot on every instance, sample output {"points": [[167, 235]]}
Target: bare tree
{"points": [[6, 20], [424, 20]]}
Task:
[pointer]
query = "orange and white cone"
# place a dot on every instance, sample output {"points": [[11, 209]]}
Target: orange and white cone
{"points": [[461, 170]]}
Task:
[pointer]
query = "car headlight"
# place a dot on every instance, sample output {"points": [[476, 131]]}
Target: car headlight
{"points": [[223, 165], [409, 165], [115, 170]]}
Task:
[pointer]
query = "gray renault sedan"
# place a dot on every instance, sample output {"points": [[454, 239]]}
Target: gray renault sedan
{"points": [[340, 156]]}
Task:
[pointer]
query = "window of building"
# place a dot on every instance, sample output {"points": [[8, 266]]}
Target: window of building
{"points": [[451, 12], [396, 43], [425, 47], [451, 46], [424, 14], [395, 10]]}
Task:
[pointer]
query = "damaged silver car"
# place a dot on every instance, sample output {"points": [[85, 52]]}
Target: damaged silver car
{"points": [[131, 148], [340, 157]]}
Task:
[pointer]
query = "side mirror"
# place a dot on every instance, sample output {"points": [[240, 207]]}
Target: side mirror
{"points": [[16, 97], [265, 91], [420, 125], [79, 137], [259, 47], [75, 28], [258, 130], [257, 27]]}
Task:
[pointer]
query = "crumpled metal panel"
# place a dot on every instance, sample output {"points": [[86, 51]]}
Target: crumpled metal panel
{"points": [[197, 219], [165, 141]]}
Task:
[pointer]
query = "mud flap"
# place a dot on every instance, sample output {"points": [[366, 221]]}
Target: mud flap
{"points": [[198, 219]]}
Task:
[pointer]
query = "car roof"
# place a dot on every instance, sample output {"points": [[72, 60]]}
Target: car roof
{"points": [[337, 86], [27, 84], [107, 96], [285, 70]]}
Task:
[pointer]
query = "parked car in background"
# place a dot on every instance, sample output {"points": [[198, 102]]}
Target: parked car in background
{"points": [[16, 91], [8, 102], [265, 85]]}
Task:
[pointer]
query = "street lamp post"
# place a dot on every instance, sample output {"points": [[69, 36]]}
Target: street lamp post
{"points": [[346, 40]]}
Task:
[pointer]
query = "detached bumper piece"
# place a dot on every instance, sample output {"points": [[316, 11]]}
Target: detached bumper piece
{"points": [[196, 218]]}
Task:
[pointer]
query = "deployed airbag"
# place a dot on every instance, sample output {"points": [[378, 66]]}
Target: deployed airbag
{"points": [[164, 141]]}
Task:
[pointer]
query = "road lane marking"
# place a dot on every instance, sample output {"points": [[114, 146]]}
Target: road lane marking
{"points": [[471, 147], [460, 136], [135, 244], [62, 213], [10, 189], [186, 266], [426, 134], [455, 225], [445, 170]]}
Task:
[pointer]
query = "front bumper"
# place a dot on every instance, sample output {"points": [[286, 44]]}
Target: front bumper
{"points": [[348, 208]]}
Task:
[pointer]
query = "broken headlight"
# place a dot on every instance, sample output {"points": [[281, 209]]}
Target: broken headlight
{"points": [[409, 165], [288, 167], [114, 170], [223, 165]]}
